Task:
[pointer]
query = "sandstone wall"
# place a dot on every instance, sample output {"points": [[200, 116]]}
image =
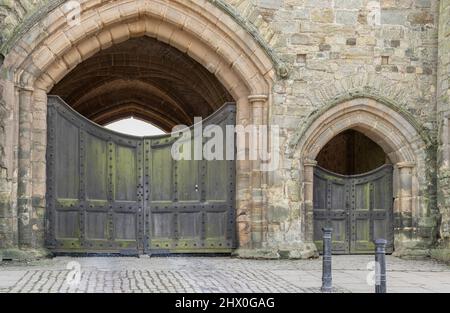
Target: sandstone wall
{"points": [[443, 110], [334, 48]]}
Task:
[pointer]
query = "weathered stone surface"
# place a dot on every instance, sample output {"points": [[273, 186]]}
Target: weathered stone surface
{"points": [[21, 255], [442, 254], [346, 17], [303, 251], [322, 15], [258, 254], [393, 17]]}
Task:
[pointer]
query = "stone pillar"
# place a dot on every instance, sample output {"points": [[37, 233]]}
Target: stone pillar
{"points": [[8, 213], [443, 121], [38, 166], [308, 192], [24, 189], [258, 221], [243, 190], [404, 218]]}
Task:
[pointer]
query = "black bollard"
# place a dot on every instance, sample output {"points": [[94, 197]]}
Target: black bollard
{"points": [[380, 266], [327, 285]]}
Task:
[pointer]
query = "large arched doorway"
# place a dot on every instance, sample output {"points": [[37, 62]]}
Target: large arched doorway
{"points": [[114, 193], [205, 31], [353, 194]]}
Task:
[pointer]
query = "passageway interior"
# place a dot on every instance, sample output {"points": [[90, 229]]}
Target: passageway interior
{"points": [[145, 79], [351, 153]]}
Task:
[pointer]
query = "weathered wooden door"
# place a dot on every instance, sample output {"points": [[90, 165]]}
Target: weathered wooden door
{"points": [[112, 193], [358, 208], [190, 203]]}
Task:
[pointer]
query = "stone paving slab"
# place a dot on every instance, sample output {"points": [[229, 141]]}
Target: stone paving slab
{"points": [[221, 274]]}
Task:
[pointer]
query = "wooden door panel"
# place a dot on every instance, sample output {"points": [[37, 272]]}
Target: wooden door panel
{"points": [[362, 197], [67, 160], [215, 181], [338, 193], [96, 168], [161, 171], [67, 225], [320, 193], [96, 226], [371, 215], [330, 209], [187, 181], [194, 197], [125, 173], [102, 176]]}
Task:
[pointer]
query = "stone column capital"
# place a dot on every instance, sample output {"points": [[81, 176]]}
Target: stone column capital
{"points": [[24, 88], [309, 162], [257, 98], [402, 165]]}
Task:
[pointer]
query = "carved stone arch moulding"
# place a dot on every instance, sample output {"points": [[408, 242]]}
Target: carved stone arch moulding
{"points": [[241, 15]]}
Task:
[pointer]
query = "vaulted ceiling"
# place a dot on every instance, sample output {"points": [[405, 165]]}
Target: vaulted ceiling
{"points": [[143, 78]]}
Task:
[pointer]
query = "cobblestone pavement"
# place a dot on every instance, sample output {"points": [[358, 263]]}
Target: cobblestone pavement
{"points": [[221, 274]]}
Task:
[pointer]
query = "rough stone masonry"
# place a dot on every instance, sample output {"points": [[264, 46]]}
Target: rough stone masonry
{"points": [[301, 58]]}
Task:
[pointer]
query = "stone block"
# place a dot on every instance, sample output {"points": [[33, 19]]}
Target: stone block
{"points": [[421, 18], [348, 4], [257, 254], [393, 17], [323, 15], [422, 3], [346, 17], [319, 3], [300, 39], [270, 4]]}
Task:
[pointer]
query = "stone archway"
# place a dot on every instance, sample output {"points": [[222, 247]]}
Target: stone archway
{"points": [[53, 47], [401, 141], [146, 78]]}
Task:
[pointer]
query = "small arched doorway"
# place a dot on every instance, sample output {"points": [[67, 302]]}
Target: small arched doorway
{"points": [[400, 137], [353, 193]]}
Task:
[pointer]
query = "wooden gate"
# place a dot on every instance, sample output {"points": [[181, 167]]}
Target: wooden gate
{"points": [[359, 208], [112, 193]]}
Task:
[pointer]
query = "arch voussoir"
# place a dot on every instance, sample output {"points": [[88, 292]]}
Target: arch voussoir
{"points": [[198, 35]]}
